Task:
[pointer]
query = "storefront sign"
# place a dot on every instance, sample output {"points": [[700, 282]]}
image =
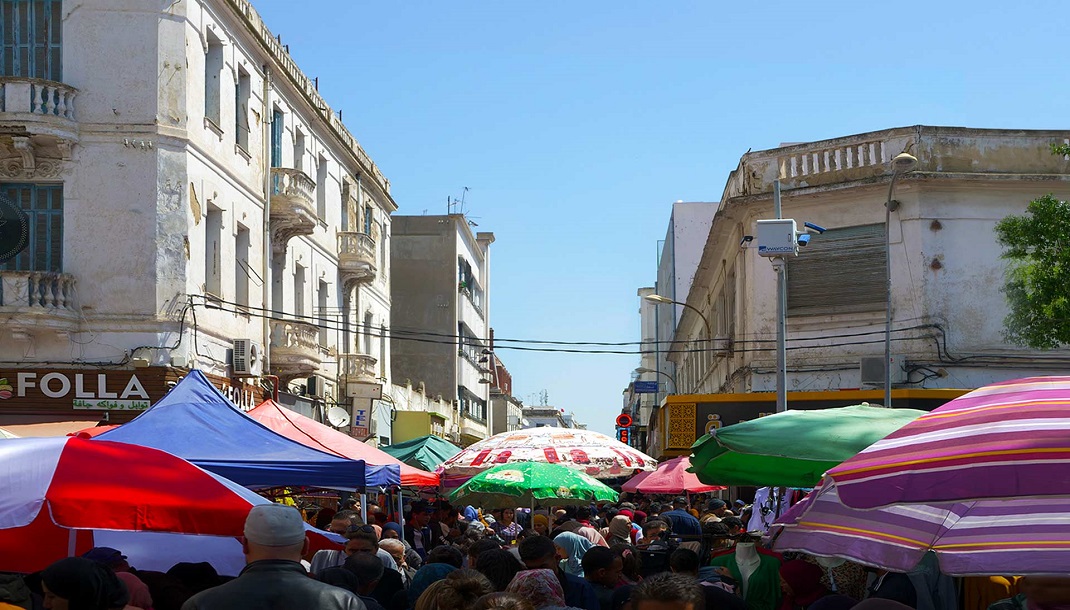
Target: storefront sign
{"points": [[114, 390]]}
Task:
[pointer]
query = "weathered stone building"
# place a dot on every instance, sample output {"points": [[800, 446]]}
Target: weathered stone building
{"points": [[947, 274]]}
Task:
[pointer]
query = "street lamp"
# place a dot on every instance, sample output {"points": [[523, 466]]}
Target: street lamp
{"points": [[643, 369], [901, 164], [657, 298]]}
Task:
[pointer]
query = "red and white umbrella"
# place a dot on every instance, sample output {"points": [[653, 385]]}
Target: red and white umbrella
{"points": [[671, 477], [62, 496], [595, 454]]}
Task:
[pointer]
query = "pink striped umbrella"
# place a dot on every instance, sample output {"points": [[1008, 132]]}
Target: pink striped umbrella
{"points": [[671, 477], [1006, 440]]}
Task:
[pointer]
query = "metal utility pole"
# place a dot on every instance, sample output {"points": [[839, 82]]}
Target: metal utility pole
{"points": [[780, 265]]}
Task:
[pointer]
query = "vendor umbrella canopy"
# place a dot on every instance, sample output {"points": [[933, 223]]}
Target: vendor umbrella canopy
{"points": [[427, 452], [529, 483], [196, 422], [61, 493], [984, 537], [585, 450], [1001, 441], [671, 477], [311, 433], [793, 448]]}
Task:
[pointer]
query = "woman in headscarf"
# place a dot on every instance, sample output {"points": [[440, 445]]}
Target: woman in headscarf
{"points": [[541, 524], [425, 577], [800, 581], [620, 530], [392, 530], [140, 597], [540, 587], [573, 547], [592, 535], [82, 584]]}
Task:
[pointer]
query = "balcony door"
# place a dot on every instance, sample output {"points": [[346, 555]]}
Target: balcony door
{"points": [[43, 204], [30, 41]]}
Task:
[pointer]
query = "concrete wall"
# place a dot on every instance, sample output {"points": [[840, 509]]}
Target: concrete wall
{"points": [[424, 290]]}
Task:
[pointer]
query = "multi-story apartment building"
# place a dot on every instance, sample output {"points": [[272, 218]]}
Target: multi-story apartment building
{"points": [[441, 297], [191, 201], [946, 275]]}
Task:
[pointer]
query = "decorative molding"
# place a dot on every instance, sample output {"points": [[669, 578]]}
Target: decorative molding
{"points": [[24, 147]]}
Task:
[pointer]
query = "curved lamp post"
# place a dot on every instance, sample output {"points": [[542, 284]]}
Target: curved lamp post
{"points": [[657, 298], [901, 164]]}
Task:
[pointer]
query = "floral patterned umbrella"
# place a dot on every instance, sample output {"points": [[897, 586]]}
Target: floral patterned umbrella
{"points": [[530, 483], [587, 451]]}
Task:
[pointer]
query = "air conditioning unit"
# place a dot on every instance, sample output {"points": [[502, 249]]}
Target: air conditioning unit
{"points": [[247, 359], [871, 370], [319, 387]]}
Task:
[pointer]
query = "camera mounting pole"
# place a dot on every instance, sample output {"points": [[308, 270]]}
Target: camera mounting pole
{"points": [[780, 265]]}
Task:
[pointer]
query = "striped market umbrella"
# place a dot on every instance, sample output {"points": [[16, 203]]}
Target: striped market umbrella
{"points": [[981, 537], [1001, 441]]}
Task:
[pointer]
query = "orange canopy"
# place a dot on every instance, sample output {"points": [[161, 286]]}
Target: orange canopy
{"points": [[310, 432]]}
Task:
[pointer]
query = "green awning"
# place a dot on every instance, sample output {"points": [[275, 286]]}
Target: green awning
{"points": [[426, 452]]}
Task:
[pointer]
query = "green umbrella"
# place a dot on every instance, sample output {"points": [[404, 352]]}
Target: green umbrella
{"points": [[427, 452], [528, 483], [793, 448]]}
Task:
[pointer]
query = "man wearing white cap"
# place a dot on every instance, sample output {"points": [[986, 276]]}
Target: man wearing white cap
{"points": [[273, 577]]}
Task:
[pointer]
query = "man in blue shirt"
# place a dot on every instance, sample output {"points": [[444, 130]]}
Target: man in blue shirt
{"points": [[539, 552], [682, 522]]}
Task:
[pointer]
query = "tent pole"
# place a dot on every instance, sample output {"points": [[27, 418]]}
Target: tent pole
{"points": [[401, 509], [72, 537], [364, 505]]}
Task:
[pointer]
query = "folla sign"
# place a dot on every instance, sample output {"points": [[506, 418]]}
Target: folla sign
{"points": [[119, 390]]}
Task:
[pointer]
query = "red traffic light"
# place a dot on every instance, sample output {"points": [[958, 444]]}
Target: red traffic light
{"points": [[624, 420]]}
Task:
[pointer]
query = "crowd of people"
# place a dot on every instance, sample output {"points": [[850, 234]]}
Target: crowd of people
{"points": [[691, 553]]}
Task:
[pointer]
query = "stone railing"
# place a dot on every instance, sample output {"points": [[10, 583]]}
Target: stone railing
{"points": [[37, 290], [295, 336], [358, 366], [37, 96], [356, 246], [292, 184], [833, 159]]}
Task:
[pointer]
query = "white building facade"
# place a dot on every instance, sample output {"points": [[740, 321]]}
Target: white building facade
{"points": [[186, 187]]}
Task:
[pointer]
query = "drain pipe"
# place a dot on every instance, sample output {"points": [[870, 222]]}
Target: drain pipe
{"points": [[266, 297]]}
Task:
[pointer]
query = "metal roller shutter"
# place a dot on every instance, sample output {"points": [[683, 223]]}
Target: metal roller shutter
{"points": [[841, 271]]}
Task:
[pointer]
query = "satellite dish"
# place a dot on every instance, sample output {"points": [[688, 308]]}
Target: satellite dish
{"points": [[14, 229], [338, 417]]}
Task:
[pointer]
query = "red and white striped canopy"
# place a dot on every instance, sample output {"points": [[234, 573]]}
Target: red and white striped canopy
{"points": [[62, 496], [1005, 440], [591, 452]]}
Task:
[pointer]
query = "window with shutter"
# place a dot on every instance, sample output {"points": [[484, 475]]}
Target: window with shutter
{"points": [[841, 271], [43, 205], [30, 43]]}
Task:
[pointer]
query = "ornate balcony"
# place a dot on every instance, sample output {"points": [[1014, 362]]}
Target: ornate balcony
{"points": [[359, 368], [293, 206], [39, 115], [37, 300], [356, 257], [295, 349]]}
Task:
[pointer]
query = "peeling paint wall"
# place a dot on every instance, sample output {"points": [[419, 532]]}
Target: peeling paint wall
{"points": [[946, 266]]}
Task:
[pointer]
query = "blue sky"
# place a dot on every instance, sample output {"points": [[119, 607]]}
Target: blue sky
{"points": [[577, 124]]}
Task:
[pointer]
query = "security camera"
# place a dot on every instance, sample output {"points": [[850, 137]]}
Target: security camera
{"points": [[803, 239], [810, 225]]}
